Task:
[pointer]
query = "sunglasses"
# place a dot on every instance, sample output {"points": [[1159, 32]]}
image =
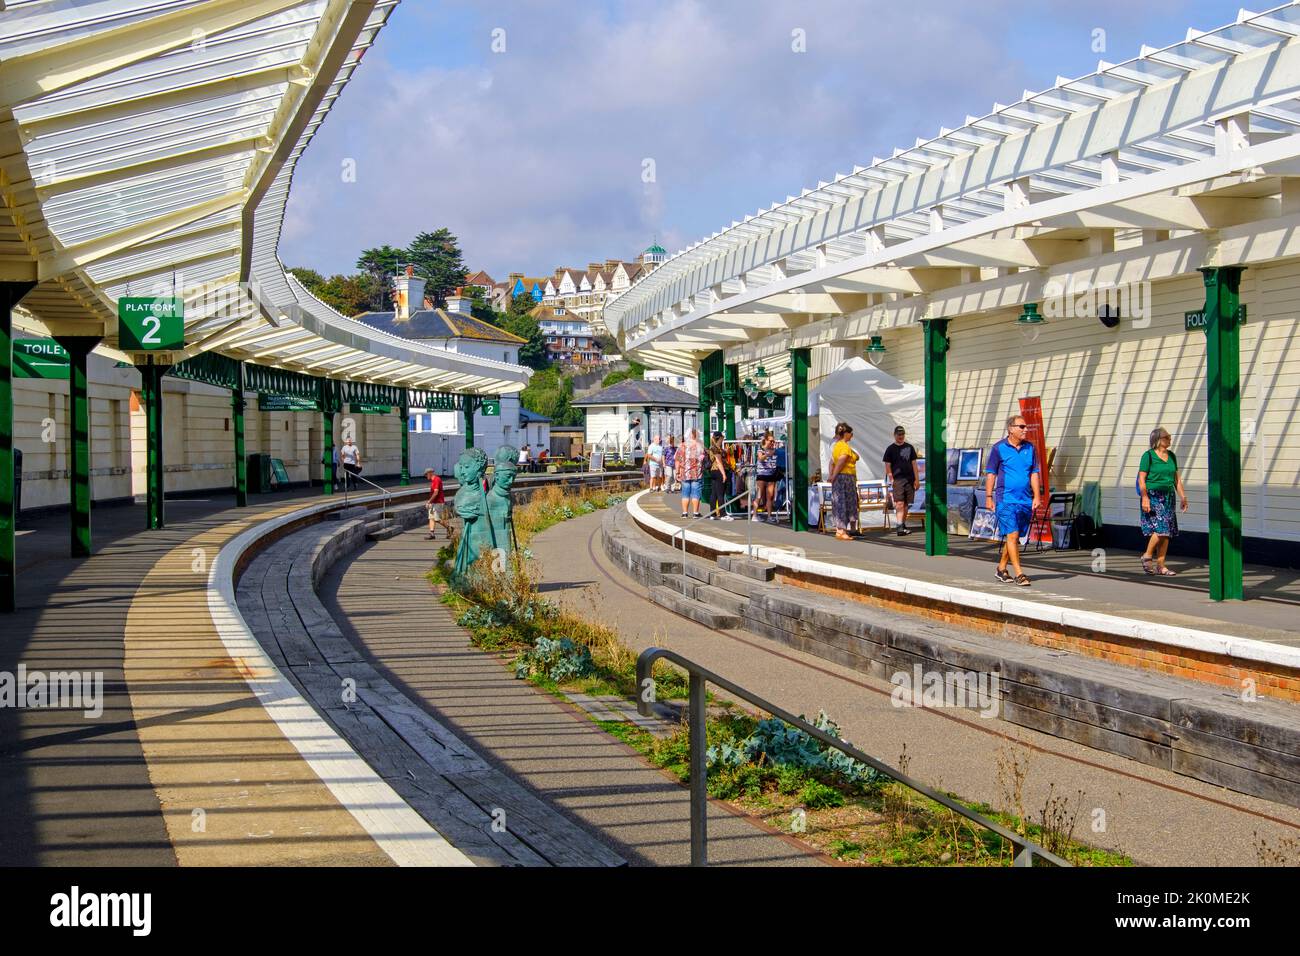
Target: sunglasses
{"points": [[1019, 426]]}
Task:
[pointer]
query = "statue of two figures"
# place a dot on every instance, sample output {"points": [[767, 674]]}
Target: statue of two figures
{"points": [[486, 510]]}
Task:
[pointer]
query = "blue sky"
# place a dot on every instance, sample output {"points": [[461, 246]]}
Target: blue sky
{"points": [[537, 155]]}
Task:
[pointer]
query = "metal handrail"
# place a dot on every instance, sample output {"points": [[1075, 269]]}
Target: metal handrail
{"points": [[699, 676], [388, 495]]}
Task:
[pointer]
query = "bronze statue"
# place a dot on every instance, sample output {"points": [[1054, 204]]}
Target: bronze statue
{"points": [[471, 504], [500, 504]]}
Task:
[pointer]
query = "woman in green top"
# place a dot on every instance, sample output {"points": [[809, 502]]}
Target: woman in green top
{"points": [[1158, 480]]}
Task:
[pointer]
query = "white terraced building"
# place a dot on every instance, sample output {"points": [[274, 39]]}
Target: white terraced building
{"points": [[147, 149], [1116, 194]]}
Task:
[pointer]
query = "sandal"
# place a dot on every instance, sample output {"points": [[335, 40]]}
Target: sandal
{"points": [[1165, 572], [1146, 565], [1022, 580], [841, 536]]}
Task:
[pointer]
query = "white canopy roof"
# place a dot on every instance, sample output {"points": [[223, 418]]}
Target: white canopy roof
{"points": [[148, 146], [1179, 158]]}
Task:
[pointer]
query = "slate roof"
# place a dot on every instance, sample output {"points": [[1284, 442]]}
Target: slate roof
{"points": [[438, 324], [640, 392]]}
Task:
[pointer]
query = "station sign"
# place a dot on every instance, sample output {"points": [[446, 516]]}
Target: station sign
{"points": [[271, 402], [491, 407], [150, 323], [369, 408], [40, 358], [1195, 321]]}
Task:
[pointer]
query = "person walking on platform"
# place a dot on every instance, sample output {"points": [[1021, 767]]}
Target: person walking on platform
{"points": [[1012, 490], [670, 465], [350, 457], [1158, 481], [719, 479], [437, 505], [900, 461], [690, 470], [844, 482]]}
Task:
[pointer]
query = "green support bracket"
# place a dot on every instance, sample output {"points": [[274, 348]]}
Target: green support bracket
{"points": [[1223, 380], [404, 410], [79, 348], [796, 452], [936, 436], [10, 294], [469, 406], [151, 378], [237, 403]]}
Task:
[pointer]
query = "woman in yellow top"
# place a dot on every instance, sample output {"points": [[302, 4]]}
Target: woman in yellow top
{"points": [[844, 482]]}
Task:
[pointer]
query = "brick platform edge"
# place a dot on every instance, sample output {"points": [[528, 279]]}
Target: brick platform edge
{"points": [[1274, 670], [1163, 720]]}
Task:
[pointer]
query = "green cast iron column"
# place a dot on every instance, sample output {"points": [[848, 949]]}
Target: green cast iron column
{"points": [[730, 389], [10, 294], [936, 438], [796, 453], [328, 476], [78, 348], [404, 409], [467, 409], [1223, 378], [710, 372], [151, 378], [237, 404]]}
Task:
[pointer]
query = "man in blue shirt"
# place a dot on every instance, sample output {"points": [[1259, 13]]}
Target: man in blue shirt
{"points": [[1012, 489]]}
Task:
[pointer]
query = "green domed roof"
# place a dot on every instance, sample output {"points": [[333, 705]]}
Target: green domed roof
{"points": [[657, 250]]}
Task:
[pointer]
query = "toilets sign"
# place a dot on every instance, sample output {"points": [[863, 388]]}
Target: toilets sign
{"points": [[150, 324]]}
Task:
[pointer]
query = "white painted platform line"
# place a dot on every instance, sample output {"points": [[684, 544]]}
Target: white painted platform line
{"points": [[1187, 638], [396, 828]]}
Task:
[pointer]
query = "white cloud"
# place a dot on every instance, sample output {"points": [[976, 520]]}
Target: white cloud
{"points": [[534, 157]]}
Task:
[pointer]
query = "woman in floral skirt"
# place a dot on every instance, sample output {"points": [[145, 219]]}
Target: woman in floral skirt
{"points": [[1158, 482]]}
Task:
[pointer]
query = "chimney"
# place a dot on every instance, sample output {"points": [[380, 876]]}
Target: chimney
{"points": [[459, 303], [612, 264], [408, 294], [595, 266], [559, 272]]}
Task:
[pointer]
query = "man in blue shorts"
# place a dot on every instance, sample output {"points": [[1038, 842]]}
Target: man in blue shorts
{"points": [[1012, 486]]}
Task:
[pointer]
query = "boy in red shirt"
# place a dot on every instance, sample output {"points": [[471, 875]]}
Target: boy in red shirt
{"points": [[437, 506]]}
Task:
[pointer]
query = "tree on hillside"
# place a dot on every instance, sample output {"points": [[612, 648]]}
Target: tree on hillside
{"points": [[379, 265], [633, 370], [533, 352], [437, 258], [549, 393], [310, 278]]}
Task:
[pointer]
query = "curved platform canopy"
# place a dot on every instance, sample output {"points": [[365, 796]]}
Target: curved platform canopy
{"points": [[1180, 158], [147, 148]]}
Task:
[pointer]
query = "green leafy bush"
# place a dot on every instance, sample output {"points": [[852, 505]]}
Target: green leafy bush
{"points": [[816, 795], [557, 660]]}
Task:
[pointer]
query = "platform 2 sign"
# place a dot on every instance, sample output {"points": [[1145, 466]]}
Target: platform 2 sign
{"points": [[150, 323], [491, 407], [40, 358]]}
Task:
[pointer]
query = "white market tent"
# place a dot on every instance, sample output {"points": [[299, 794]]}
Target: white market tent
{"points": [[873, 402]]}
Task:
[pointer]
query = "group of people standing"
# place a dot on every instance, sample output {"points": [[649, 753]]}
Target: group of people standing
{"points": [[1013, 491], [683, 466]]}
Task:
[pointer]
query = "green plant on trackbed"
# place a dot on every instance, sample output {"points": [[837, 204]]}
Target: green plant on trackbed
{"points": [[764, 767]]}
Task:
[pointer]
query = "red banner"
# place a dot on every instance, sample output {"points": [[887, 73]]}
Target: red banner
{"points": [[1031, 409]]}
